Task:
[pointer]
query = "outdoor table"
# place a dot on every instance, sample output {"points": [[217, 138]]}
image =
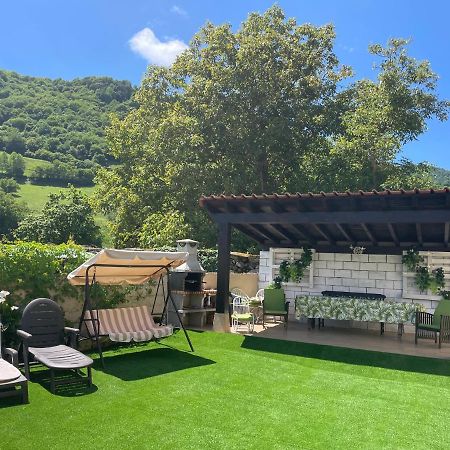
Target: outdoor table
{"points": [[340, 308]]}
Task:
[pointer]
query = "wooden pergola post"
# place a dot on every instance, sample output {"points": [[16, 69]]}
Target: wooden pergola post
{"points": [[221, 317]]}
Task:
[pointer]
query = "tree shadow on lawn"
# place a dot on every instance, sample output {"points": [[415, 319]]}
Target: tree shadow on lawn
{"points": [[149, 363], [407, 363]]}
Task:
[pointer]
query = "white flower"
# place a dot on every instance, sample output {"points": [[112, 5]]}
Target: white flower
{"points": [[3, 295], [14, 308]]}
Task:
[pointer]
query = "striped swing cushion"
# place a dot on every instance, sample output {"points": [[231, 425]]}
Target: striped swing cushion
{"points": [[127, 324]]}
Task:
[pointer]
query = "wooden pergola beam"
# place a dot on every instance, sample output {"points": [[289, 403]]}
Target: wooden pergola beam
{"points": [[255, 236], [352, 217], [345, 233], [306, 235], [369, 234], [319, 229], [419, 233], [266, 234], [393, 233], [223, 268], [285, 233]]}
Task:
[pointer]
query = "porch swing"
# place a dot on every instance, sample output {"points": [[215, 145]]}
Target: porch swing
{"points": [[126, 324]]}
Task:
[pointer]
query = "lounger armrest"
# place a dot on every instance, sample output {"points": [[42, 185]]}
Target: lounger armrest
{"points": [[24, 335], [71, 330], [72, 336], [13, 356]]}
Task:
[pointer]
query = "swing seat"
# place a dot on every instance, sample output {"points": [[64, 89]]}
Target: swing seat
{"points": [[126, 324]]}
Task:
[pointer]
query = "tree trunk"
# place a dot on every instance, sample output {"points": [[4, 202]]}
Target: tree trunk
{"points": [[263, 171]]}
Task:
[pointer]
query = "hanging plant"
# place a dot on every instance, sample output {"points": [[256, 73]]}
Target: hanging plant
{"points": [[294, 271], [437, 280], [423, 278], [411, 259], [285, 271], [434, 280]]}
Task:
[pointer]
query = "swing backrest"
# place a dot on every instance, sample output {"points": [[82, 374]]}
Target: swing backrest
{"points": [[119, 320]]}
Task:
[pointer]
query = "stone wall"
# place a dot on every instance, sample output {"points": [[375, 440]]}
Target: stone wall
{"points": [[366, 273]]}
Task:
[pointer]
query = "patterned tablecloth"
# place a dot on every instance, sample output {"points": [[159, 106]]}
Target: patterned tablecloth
{"points": [[387, 311]]}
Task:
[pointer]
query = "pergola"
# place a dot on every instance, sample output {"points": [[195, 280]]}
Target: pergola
{"points": [[386, 222]]}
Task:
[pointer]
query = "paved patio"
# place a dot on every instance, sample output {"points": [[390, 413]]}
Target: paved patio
{"points": [[364, 339]]}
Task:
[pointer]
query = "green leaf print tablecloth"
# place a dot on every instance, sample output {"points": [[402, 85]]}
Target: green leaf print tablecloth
{"points": [[387, 311]]}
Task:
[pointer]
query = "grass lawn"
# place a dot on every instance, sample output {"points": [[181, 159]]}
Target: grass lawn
{"points": [[32, 163], [240, 392], [35, 195]]}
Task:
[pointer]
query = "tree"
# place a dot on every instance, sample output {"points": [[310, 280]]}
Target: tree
{"points": [[237, 112], [59, 115], [9, 185], [17, 165], [11, 212], [14, 142], [163, 229], [260, 110], [383, 116], [66, 216], [12, 165]]}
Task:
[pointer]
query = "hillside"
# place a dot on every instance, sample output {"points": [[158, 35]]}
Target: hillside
{"points": [[59, 120], [442, 176]]}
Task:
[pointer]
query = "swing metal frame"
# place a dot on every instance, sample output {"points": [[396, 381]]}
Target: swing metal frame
{"points": [[163, 270]]}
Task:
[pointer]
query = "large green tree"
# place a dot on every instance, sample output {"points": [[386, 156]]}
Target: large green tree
{"points": [[262, 109], [67, 215], [11, 213], [383, 115]]}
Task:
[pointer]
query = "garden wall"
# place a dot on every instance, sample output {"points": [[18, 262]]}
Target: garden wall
{"points": [[366, 273], [144, 295]]}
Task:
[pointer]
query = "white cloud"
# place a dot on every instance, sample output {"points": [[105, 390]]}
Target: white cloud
{"points": [[146, 44], [177, 10]]}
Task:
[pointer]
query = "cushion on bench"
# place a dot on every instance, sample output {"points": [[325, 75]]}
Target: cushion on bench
{"points": [[127, 324]]}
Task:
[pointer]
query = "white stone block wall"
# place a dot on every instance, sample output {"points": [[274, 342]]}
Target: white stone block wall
{"points": [[375, 274]]}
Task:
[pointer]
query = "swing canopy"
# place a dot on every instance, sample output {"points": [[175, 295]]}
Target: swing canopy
{"points": [[125, 267]]}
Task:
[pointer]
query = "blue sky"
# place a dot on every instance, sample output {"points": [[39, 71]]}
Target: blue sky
{"points": [[76, 38]]}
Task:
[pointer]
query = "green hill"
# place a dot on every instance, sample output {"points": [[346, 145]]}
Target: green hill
{"points": [[442, 176], [50, 119]]}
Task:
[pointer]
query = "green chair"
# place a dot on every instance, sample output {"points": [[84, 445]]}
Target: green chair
{"points": [[429, 326], [275, 304]]}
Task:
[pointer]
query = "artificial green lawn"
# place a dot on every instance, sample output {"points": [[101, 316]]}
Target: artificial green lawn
{"points": [[240, 392]]}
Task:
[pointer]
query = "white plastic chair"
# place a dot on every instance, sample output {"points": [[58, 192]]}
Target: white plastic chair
{"points": [[237, 292], [260, 295], [241, 314]]}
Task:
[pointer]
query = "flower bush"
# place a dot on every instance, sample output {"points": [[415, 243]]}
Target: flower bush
{"points": [[31, 270]]}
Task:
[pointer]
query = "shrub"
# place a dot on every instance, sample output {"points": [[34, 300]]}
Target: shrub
{"points": [[9, 185], [31, 270], [66, 215]]}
